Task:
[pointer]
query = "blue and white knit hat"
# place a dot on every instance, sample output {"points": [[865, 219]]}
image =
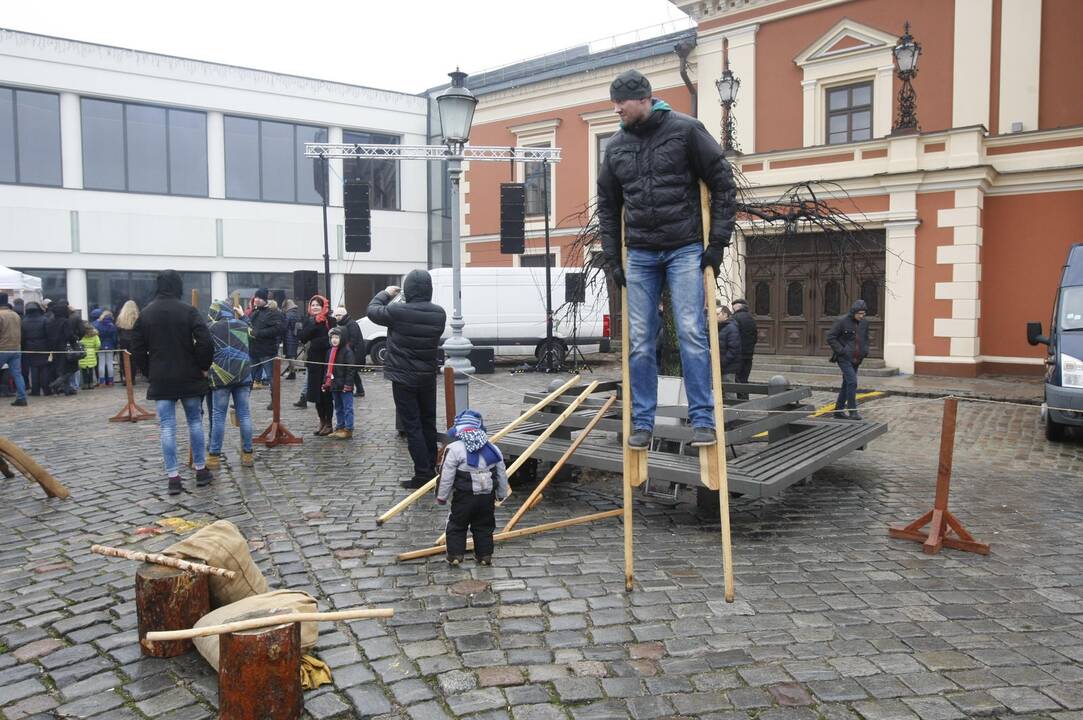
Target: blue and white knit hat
{"points": [[470, 429]]}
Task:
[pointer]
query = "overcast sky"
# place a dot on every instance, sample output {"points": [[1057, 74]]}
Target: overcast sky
{"points": [[406, 45]]}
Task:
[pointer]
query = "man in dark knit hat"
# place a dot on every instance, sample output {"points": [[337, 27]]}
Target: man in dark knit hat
{"points": [[650, 177], [268, 324]]}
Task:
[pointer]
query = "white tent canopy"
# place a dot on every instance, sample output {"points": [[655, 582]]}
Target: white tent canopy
{"points": [[19, 284]]}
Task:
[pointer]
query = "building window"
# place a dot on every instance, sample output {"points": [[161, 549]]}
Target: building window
{"points": [[246, 285], [110, 289], [537, 260], [381, 173], [603, 142], [143, 148], [265, 160], [539, 183], [54, 283], [29, 137], [849, 113]]}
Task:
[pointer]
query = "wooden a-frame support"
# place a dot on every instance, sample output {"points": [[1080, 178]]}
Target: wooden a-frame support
{"points": [[131, 412], [276, 433]]}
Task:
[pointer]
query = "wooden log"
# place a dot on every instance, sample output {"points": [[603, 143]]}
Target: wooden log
{"points": [[521, 532], [427, 487], [269, 620], [259, 674], [157, 559], [27, 466], [168, 598], [535, 496]]}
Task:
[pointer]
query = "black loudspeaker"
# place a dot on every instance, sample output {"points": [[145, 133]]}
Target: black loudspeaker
{"points": [[355, 201], [306, 283], [512, 218], [482, 358], [575, 288], [319, 177]]}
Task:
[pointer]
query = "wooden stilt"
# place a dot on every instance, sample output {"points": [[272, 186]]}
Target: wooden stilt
{"points": [[168, 598], [259, 674], [26, 465], [449, 395], [942, 523], [427, 487], [633, 460], [166, 560], [521, 532], [276, 433], [712, 460], [535, 496], [130, 412]]}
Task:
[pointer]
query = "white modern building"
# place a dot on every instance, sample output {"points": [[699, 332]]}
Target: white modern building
{"points": [[115, 164]]}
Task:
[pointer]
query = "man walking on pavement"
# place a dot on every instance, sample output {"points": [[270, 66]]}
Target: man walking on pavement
{"points": [[11, 338], [172, 347], [849, 341], [268, 325], [650, 178], [414, 328], [746, 327]]}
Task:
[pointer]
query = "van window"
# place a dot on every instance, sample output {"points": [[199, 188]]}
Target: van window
{"points": [[1071, 308]]}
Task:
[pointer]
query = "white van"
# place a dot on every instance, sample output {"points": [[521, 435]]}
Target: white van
{"points": [[504, 308]]}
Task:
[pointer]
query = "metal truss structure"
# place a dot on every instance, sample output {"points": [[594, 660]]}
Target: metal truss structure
{"points": [[470, 153]]}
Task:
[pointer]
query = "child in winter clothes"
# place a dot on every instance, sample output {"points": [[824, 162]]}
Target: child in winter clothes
{"points": [[107, 333], [87, 365], [339, 380], [475, 469]]}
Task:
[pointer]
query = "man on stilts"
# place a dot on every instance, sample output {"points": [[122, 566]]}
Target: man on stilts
{"points": [[651, 176]]}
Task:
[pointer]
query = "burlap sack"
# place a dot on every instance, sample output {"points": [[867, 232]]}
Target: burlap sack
{"points": [[257, 606], [221, 544]]}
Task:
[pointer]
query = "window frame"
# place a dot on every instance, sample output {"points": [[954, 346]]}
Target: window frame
{"points": [[14, 90], [547, 185], [398, 165], [848, 111], [259, 159]]}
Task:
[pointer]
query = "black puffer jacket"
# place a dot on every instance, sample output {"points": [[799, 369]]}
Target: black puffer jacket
{"points": [[62, 329], [268, 327], [746, 325], [414, 328], [849, 337], [652, 170], [354, 337], [35, 335], [171, 344]]}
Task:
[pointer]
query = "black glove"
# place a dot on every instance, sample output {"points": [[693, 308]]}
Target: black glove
{"points": [[618, 275], [712, 258]]}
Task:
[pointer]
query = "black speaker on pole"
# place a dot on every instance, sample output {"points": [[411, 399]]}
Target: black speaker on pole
{"points": [[575, 289], [306, 283], [512, 218], [355, 201]]}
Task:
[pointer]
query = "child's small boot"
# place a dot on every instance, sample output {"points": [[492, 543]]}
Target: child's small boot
{"points": [[486, 561], [454, 560]]}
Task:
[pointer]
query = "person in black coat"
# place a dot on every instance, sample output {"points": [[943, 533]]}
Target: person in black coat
{"points": [[729, 348], [268, 326], [35, 336], [355, 339], [294, 321], [63, 332], [314, 332], [172, 347], [849, 341], [414, 328], [746, 327]]}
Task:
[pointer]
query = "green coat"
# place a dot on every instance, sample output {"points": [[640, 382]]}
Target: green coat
{"points": [[91, 344]]}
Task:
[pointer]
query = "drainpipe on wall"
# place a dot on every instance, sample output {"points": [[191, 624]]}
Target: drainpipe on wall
{"points": [[683, 49]]}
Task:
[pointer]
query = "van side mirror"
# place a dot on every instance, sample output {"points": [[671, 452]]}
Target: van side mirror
{"points": [[1034, 334]]}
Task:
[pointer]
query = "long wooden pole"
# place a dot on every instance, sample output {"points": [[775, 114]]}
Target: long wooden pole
{"points": [[630, 459], [521, 532], [157, 559], [424, 489], [268, 621], [559, 465], [712, 459]]}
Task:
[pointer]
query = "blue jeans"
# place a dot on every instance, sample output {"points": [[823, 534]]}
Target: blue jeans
{"points": [[343, 410], [167, 428], [848, 391], [680, 270], [14, 362], [240, 394], [259, 370]]}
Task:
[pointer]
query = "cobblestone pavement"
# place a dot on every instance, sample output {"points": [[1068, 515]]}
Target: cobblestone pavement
{"points": [[832, 619]]}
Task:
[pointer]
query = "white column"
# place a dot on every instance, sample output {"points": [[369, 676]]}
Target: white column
{"points": [[899, 291], [334, 135], [708, 62], [216, 154], [883, 97], [964, 257], [1020, 55], [219, 285], [972, 64], [809, 122], [77, 290], [338, 289], [742, 54], [71, 141]]}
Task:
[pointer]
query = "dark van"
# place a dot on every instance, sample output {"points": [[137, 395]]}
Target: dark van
{"points": [[1064, 365]]}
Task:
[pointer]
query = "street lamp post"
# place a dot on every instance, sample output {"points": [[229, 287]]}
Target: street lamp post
{"points": [[727, 86], [456, 108], [907, 50]]}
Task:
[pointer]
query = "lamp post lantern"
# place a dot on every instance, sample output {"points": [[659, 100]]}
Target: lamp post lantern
{"points": [[907, 51], [727, 87], [456, 109]]}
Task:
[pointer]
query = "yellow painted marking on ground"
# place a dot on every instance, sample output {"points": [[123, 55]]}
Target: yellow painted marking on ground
{"points": [[180, 525], [830, 407]]}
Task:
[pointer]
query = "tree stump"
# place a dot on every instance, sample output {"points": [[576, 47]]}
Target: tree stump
{"points": [[168, 599], [259, 674]]}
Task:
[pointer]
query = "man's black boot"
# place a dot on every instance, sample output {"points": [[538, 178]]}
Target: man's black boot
{"points": [[703, 437], [639, 439]]}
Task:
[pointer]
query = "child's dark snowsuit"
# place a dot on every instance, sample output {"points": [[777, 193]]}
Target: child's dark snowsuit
{"points": [[479, 479]]}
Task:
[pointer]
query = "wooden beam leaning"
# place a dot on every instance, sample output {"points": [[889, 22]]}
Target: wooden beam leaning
{"points": [[712, 459], [535, 496], [269, 621], [521, 532], [427, 487], [157, 559], [30, 469]]}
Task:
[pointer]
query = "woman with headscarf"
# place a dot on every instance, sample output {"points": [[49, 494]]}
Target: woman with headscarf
{"points": [[125, 321], [314, 332]]}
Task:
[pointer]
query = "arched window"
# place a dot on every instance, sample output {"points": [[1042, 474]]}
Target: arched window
{"points": [[832, 298], [795, 298], [870, 293], [762, 299]]}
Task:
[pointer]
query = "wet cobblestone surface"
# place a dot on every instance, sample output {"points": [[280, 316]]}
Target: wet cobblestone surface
{"points": [[832, 618]]}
